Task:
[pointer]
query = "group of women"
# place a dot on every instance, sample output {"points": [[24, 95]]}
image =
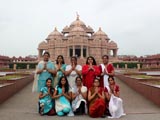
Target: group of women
{"points": [[76, 90]]}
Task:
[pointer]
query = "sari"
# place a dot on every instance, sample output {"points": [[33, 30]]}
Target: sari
{"points": [[45, 74], [62, 102], [58, 75], [89, 75], [79, 98], [104, 78], [96, 105], [46, 103], [115, 103], [72, 76]]}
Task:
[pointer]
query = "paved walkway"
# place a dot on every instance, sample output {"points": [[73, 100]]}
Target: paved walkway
{"points": [[23, 106]]}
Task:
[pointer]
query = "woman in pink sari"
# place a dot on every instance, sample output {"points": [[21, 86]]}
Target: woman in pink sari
{"points": [[96, 100]]}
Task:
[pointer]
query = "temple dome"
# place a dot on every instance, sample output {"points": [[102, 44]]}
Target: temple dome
{"points": [[100, 32], [112, 44], [77, 22], [42, 44], [55, 33]]}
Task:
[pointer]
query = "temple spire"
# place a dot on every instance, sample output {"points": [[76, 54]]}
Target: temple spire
{"points": [[55, 29], [77, 15]]}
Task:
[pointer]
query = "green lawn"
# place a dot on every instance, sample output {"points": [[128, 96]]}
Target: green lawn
{"points": [[9, 77], [142, 76]]}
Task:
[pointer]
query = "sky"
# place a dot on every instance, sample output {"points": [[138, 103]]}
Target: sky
{"points": [[133, 24]]}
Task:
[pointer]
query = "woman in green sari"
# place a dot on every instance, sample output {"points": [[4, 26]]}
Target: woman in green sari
{"points": [[46, 103], [60, 69], [45, 70]]}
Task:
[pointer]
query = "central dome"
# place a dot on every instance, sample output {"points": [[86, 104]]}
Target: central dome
{"points": [[77, 22]]}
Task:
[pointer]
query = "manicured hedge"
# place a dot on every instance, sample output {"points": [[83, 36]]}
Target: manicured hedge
{"points": [[129, 65], [23, 65]]}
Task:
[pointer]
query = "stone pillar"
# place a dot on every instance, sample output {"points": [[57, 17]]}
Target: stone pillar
{"points": [[27, 66], [117, 66], [138, 66], [115, 53], [67, 52], [39, 54], [126, 66], [36, 67], [81, 51], [14, 66], [87, 51], [73, 50]]}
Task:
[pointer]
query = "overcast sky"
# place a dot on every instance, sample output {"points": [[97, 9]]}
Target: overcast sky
{"points": [[133, 24]]}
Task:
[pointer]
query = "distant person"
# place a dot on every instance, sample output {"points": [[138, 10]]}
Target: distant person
{"points": [[106, 70], [46, 104], [89, 72], [72, 71], [115, 102], [79, 97], [60, 69], [96, 99], [45, 69], [62, 96]]}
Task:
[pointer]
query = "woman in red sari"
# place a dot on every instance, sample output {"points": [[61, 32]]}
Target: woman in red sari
{"points": [[106, 70], [89, 72], [96, 100]]}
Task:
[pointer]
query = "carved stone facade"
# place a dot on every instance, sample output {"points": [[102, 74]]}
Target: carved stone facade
{"points": [[78, 40]]}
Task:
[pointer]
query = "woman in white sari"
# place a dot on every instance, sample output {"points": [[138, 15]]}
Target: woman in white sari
{"points": [[115, 103], [72, 71], [79, 96]]}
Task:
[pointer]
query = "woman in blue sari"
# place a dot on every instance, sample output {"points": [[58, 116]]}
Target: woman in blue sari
{"points": [[62, 97], [46, 103], [46, 69], [60, 69]]}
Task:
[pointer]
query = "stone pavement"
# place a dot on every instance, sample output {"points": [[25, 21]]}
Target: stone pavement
{"points": [[23, 106]]}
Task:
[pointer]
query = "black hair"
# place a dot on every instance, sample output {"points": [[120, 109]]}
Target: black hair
{"points": [[74, 57], [105, 56], [62, 59], [97, 78], [51, 89], [66, 85], [77, 78], [94, 61], [111, 77], [46, 53]]}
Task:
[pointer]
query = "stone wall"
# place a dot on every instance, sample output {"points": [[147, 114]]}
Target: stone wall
{"points": [[151, 92], [11, 87]]}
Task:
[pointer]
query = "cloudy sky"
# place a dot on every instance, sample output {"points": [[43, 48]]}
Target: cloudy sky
{"points": [[133, 24]]}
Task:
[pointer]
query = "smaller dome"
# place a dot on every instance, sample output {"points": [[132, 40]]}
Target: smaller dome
{"points": [[66, 27], [55, 33], [100, 32], [89, 27], [42, 44], [112, 44]]}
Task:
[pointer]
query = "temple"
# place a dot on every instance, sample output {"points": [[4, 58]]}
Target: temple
{"points": [[79, 40]]}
